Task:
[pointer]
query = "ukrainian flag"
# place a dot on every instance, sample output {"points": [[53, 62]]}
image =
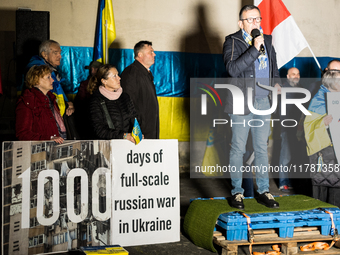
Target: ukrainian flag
{"points": [[105, 18], [211, 157], [137, 132], [316, 133]]}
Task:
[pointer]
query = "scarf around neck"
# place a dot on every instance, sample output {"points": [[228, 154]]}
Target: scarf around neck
{"points": [[263, 57], [56, 114], [111, 95]]}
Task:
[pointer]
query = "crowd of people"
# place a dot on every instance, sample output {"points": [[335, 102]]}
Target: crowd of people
{"points": [[104, 108], [107, 105]]}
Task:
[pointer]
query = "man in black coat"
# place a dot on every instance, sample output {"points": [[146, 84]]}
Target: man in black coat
{"points": [[250, 61], [290, 148], [137, 81]]}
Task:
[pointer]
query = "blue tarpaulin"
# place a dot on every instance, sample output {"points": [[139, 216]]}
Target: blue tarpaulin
{"points": [[172, 70]]}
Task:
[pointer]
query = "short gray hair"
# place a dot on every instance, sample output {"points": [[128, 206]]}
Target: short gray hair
{"points": [[331, 79], [45, 46]]}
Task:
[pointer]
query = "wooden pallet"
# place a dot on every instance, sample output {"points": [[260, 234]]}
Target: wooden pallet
{"points": [[289, 246]]}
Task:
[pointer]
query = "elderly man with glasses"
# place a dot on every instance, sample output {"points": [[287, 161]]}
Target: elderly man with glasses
{"points": [[250, 61]]}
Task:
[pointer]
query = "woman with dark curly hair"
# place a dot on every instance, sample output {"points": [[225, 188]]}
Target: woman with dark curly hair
{"points": [[37, 113], [111, 110]]}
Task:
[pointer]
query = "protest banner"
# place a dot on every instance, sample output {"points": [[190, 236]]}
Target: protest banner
{"points": [[146, 193], [59, 197]]}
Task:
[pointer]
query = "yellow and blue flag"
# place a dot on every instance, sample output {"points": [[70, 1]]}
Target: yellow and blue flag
{"points": [[137, 132], [105, 17], [211, 157], [316, 133]]}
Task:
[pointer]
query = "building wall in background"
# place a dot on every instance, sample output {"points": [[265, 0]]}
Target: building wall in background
{"points": [[187, 26], [197, 26], [192, 26]]}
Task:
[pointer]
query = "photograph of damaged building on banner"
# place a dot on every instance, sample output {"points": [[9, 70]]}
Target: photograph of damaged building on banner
{"points": [[42, 190]]}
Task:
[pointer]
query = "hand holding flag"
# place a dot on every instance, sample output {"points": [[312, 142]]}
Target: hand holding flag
{"points": [[137, 132]]}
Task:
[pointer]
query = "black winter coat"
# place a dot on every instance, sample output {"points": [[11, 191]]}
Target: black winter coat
{"points": [[138, 83], [121, 111], [239, 60]]}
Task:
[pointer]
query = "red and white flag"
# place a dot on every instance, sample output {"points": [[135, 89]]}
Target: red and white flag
{"points": [[287, 37]]}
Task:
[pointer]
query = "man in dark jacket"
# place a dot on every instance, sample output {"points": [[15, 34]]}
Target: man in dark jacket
{"points": [[137, 81], [50, 55], [250, 61], [290, 149]]}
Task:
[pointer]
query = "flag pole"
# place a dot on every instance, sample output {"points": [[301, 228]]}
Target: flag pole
{"points": [[317, 62], [106, 46]]}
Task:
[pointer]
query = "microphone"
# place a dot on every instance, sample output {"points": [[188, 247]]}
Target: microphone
{"points": [[255, 33]]}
